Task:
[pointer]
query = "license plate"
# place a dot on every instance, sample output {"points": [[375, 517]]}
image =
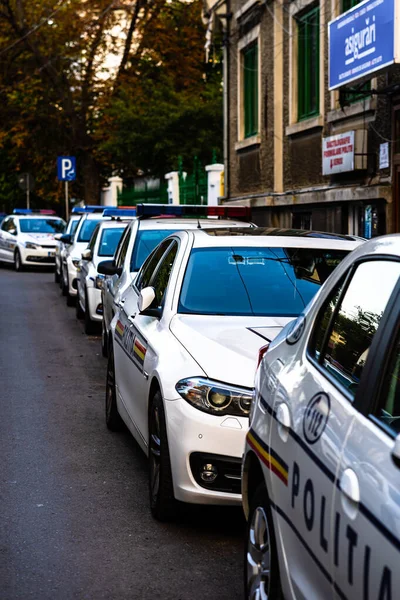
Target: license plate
{"points": [[51, 254]]}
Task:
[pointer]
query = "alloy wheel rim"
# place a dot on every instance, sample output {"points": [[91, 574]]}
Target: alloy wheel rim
{"points": [[155, 453], [258, 558]]}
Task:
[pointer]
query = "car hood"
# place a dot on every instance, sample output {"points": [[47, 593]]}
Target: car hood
{"points": [[38, 238], [226, 348]]}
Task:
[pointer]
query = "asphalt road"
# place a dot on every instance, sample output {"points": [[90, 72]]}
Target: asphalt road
{"points": [[74, 515]]}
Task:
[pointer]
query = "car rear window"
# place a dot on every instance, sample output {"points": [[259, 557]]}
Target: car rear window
{"points": [[254, 281], [145, 242], [87, 229], [109, 240]]}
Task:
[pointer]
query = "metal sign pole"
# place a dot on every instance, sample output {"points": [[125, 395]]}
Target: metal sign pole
{"points": [[28, 191], [66, 201]]}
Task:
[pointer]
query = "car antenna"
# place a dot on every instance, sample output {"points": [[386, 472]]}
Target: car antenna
{"points": [[198, 224]]}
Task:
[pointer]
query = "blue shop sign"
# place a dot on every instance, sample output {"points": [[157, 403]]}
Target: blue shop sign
{"points": [[361, 41]]}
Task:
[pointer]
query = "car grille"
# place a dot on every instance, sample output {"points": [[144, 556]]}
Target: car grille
{"points": [[41, 259]]}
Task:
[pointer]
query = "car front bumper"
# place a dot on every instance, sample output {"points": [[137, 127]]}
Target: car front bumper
{"points": [[196, 440], [72, 281], [37, 256], [95, 305]]}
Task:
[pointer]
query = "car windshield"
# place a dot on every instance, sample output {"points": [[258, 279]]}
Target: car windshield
{"points": [[39, 225], [109, 241], [254, 281], [87, 229], [145, 242]]}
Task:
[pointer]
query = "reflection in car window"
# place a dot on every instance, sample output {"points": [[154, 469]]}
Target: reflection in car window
{"points": [[389, 409], [357, 321], [42, 225], [109, 240], [93, 239], [73, 226], [122, 250], [255, 281], [145, 242], [152, 261], [87, 229], [161, 278]]}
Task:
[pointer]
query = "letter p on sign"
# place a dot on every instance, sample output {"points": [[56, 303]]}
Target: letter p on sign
{"points": [[66, 168]]}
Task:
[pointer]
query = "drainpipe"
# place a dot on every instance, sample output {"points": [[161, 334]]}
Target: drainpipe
{"points": [[226, 110]]}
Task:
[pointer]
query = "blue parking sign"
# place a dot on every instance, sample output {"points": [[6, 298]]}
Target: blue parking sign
{"points": [[66, 168]]}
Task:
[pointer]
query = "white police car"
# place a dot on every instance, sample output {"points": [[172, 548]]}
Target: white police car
{"points": [[184, 346], [155, 222], [27, 237], [321, 470], [61, 247], [74, 246], [102, 245]]}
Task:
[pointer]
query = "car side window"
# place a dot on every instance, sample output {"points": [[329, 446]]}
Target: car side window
{"points": [[388, 410], [161, 277], [5, 224], [93, 239], [147, 270], [346, 327], [123, 250]]}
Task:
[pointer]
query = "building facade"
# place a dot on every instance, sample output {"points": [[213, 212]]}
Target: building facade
{"points": [[303, 156]]}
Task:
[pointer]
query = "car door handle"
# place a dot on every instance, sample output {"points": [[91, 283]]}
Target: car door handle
{"points": [[121, 302], [349, 486]]}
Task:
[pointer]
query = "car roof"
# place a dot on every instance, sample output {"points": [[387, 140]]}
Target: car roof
{"points": [[261, 237], [178, 224], [36, 216], [106, 224]]}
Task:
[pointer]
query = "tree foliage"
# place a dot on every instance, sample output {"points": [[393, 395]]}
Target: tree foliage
{"points": [[121, 84]]}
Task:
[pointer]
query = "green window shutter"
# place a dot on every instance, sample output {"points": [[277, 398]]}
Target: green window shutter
{"points": [[250, 90], [308, 64]]}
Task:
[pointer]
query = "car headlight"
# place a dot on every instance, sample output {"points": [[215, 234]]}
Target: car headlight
{"points": [[99, 282], [75, 262], [31, 246], [214, 397]]}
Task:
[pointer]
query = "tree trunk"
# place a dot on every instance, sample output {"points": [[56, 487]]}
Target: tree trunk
{"points": [[89, 176]]}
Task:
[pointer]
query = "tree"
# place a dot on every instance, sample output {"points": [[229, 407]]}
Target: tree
{"points": [[61, 93]]}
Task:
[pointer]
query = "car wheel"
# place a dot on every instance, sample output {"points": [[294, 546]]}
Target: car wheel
{"points": [[17, 261], [162, 501], [78, 310], [70, 299], [261, 570], [90, 326], [104, 339], [56, 276], [62, 283], [113, 419]]}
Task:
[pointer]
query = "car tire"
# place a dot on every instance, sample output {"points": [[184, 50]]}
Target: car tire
{"points": [[90, 326], [163, 504], [104, 340], [113, 418], [261, 568], [56, 276], [62, 284], [18, 266], [78, 310], [70, 299]]}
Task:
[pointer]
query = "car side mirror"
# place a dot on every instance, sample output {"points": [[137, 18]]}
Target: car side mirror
{"points": [[146, 299], [87, 254], [58, 237], [12, 231], [108, 267], [66, 238], [396, 451]]}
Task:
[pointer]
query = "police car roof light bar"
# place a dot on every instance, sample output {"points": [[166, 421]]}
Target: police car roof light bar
{"points": [[146, 211], [34, 211], [89, 208], [119, 212]]}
